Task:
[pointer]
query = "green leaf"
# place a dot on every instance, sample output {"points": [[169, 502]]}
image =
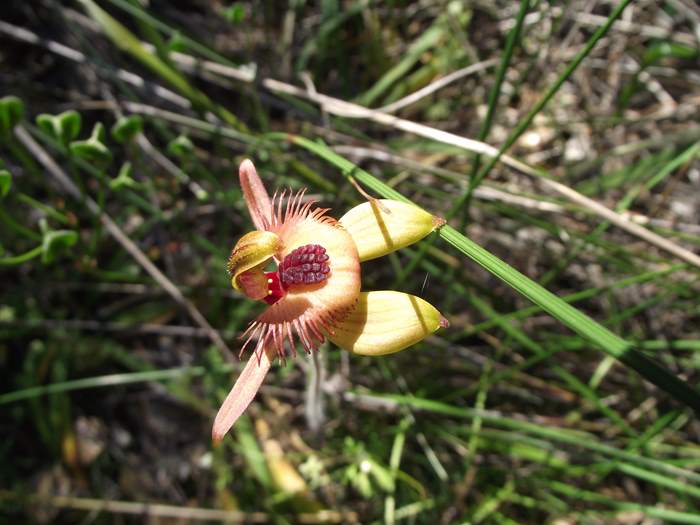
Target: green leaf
{"points": [[11, 112], [249, 448], [5, 182], [360, 480], [660, 50], [177, 43], [181, 147], [70, 124], [123, 179], [55, 242], [98, 132], [235, 13], [46, 124], [93, 149], [22, 258], [382, 476], [63, 127], [126, 128]]}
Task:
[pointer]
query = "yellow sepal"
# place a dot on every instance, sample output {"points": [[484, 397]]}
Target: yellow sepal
{"points": [[382, 226], [386, 322], [250, 254]]}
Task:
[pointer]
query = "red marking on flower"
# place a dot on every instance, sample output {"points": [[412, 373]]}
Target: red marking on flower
{"points": [[307, 264], [275, 290]]}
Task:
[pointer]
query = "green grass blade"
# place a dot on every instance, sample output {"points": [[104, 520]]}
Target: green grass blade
{"points": [[567, 436], [667, 515], [525, 123], [21, 258], [100, 382], [574, 319], [513, 38], [127, 41], [574, 297], [475, 180], [427, 40], [142, 15], [495, 93]]}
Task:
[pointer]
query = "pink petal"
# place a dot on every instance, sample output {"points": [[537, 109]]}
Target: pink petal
{"points": [[240, 396], [256, 196]]}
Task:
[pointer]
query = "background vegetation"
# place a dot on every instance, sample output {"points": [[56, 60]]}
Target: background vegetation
{"points": [[560, 140]]}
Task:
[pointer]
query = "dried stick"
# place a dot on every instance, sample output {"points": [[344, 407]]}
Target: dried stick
{"points": [[174, 512], [437, 85], [349, 110]]}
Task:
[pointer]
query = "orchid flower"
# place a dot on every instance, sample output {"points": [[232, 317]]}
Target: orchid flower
{"points": [[314, 292]]}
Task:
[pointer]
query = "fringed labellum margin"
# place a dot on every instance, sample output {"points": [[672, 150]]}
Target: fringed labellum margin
{"points": [[314, 293]]}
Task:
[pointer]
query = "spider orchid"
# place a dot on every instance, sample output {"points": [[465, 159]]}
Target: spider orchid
{"points": [[314, 292]]}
